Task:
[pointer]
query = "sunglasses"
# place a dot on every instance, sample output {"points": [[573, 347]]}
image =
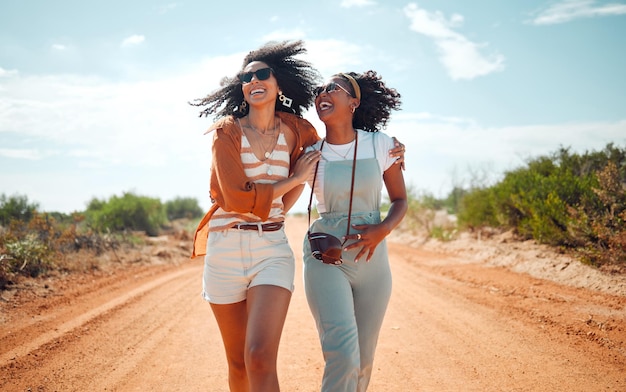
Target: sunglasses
{"points": [[261, 74], [330, 88]]}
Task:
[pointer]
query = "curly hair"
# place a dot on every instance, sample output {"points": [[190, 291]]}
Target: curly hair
{"points": [[296, 78], [377, 101]]}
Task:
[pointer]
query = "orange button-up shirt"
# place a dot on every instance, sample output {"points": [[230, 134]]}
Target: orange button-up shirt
{"points": [[230, 188]]}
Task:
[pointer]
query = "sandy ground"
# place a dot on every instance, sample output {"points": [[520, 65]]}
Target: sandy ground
{"points": [[469, 315]]}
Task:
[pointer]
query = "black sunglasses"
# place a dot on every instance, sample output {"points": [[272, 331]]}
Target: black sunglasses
{"points": [[261, 74], [329, 88]]}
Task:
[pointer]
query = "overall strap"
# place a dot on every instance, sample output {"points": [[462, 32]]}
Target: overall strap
{"points": [[356, 143], [313, 186]]}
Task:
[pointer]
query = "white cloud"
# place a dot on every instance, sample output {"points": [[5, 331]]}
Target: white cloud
{"points": [[89, 136], [462, 58], [569, 10], [140, 124], [331, 56], [30, 154], [356, 3], [7, 72], [133, 40], [59, 47]]}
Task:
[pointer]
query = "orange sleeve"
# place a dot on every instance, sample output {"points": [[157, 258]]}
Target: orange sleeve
{"points": [[202, 233], [230, 187]]}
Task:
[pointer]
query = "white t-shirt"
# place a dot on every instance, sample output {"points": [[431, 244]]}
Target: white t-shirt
{"points": [[379, 148]]}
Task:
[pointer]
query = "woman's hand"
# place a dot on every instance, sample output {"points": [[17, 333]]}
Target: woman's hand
{"points": [[368, 238], [398, 152], [305, 164], [301, 172]]}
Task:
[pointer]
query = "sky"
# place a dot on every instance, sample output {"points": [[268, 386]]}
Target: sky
{"points": [[94, 96]]}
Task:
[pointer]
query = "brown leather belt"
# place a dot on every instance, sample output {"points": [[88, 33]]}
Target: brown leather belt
{"points": [[264, 227]]}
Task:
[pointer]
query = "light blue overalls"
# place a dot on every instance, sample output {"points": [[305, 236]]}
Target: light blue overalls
{"points": [[348, 301]]}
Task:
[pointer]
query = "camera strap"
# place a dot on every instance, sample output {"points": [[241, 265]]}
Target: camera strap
{"points": [[356, 143]]}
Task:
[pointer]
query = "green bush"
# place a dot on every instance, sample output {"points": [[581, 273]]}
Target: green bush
{"points": [[16, 208], [601, 223], [477, 209], [27, 248], [422, 215], [575, 201], [419, 214], [29, 256], [128, 212], [183, 207], [452, 203]]}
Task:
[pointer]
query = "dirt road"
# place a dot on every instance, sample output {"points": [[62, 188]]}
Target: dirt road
{"points": [[452, 325]]}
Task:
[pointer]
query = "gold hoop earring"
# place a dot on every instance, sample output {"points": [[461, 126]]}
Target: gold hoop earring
{"points": [[243, 106], [284, 100]]}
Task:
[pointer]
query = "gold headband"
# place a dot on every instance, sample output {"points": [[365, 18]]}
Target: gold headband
{"points": [[355, 85]]}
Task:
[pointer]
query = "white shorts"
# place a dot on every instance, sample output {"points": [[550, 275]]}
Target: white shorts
{"points": [[237, 260]]}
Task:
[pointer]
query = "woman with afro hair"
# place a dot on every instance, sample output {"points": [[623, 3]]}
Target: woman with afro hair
{"points": [[258, 170], [348, 291]]}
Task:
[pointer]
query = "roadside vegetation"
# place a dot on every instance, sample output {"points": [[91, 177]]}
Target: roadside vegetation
{"points": [[34, 243], [573, 202]]}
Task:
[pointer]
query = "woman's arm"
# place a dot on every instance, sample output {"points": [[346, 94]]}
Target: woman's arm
{"points": [[290, 198], [303, 167], [394, 182], [372, 235], [300, 134]]}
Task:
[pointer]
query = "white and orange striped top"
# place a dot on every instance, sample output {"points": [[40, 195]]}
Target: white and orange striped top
{"points": [[268, 171]]}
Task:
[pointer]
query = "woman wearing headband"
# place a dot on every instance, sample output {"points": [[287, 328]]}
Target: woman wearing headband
{"points": [[348, 293]]}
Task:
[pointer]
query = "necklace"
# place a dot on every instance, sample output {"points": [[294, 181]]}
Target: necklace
{"points": [[268, 150], [343, 156]]}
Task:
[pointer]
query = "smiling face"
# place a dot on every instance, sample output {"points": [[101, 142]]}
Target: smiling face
{"points": [[334, 100], [259, 92]]}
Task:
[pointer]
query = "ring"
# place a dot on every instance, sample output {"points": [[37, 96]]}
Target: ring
{"points": [[358, 236]]}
